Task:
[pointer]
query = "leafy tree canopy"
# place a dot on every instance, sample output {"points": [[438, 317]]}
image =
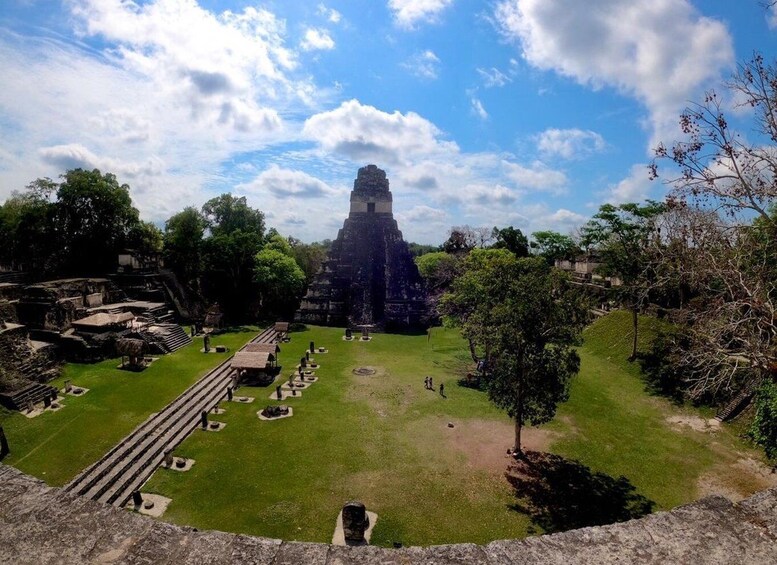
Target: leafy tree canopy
{"points": [[525, 318], [280, 280], [512, 239], [554, 246], [183, 241]]}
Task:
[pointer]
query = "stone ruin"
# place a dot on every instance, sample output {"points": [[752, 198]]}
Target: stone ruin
{"points": [[47, 525], [355, 522], [369, 276], [275, 411]]}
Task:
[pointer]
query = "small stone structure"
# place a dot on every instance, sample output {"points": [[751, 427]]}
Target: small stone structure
{"points": [[275, 411], [369, 276], [133, 350], [355, 521], [214, 318], [44, 525]]}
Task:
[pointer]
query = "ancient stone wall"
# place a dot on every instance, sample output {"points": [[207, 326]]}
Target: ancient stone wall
{"points": [[43, 525]]}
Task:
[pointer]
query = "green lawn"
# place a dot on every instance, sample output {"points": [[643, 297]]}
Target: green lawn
{"points": [[379, 439], [383, 440], [56, 446], [612, 425]]}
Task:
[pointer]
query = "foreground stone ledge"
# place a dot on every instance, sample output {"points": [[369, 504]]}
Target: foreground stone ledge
{"points": [[41, 525]]}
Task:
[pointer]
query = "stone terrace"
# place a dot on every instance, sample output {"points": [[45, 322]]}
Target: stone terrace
{"points": [[42, 525]]}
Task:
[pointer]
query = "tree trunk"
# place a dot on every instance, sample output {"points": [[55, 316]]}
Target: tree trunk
{"points": [[517, 450], [635, 324], [472, 350]]}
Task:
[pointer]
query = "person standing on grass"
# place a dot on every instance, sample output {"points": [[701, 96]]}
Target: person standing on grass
{"points": [[442, 390]]}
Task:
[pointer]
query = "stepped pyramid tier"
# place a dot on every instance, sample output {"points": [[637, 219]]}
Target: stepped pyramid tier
{"points": [[369, 276]]}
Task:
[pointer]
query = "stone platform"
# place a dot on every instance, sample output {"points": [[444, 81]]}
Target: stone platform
{"points": [[43, 525]]}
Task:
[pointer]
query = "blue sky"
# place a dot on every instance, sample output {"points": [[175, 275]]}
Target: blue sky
{"points": [[528, 113]]}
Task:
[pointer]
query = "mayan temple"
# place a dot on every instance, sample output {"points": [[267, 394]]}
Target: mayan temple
{"points": [[369, 276]]}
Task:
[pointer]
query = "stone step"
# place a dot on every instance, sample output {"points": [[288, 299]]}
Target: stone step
{"points": [[137, 459], [94, 473], [34, 393], [738, 403], [130, 463]]}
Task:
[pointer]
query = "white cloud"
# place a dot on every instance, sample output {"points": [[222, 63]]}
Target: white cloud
{"points": [[75, 155], [166, 93], [407, 13], [570, 143], [203, 57], [494, 77], [317, 40], [771, 17], [424, 64], [478, 109], [285, 183], [330, 14], [564, 220], [423, 214], [364, 133], [537, 177], [661, 52], [636, 187], [490, 195]]}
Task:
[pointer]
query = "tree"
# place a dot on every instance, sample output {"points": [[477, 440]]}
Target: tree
{"points": [[718, 166], [309, 256], [280, 281], [621, 236], [464, 238], [183, 242], [277, 242], [236, 236], [28, 229], [554, 246], [526, 318], [226, 214], [145, 239], [94, 218], [764, 427], [511, 239], [418, 249], [458, 242], [475, 295], [731, 263], [438, 269]]}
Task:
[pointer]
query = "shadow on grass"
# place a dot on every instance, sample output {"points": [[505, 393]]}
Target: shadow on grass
{"points": [[560, 494]]}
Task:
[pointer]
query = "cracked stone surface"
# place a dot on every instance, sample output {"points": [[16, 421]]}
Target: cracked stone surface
{"points": [[45, 525]]}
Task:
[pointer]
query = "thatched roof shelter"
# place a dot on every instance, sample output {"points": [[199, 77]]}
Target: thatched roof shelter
{"points": [[247, 360], [263, 348], [282, 327], [130, 347]]}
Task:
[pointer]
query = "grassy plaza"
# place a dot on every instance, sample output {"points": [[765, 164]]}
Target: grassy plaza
{"points": [[385, 440]]}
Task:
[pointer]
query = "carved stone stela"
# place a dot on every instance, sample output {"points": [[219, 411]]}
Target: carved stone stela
{"points": [[369, 276]]}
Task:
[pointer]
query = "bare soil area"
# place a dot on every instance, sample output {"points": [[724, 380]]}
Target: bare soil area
{"points": [[485, 442]]}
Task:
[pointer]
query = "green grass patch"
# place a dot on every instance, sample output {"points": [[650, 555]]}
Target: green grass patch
{"points": [[611, 424], [384, 439], [380, 439], [56, 446]]}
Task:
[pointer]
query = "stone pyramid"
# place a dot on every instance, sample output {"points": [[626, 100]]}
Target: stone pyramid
{"points": [[369, 276]]}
